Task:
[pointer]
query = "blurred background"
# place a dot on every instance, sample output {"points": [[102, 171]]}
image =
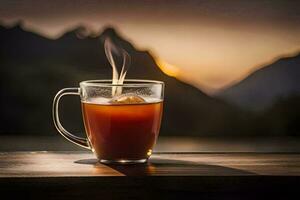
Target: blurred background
{"points": [[231, 68]]}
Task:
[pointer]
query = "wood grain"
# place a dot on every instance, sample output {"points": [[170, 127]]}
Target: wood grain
{"points": [[70, 175], [77, 164]]}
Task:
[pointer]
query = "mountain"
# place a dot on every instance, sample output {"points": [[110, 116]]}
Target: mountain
{"points": [[282, 118], [265, 86], [34, 68]]}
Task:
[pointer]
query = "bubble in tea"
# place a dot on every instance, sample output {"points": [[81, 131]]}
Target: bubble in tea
{"points": [[127, 99]]}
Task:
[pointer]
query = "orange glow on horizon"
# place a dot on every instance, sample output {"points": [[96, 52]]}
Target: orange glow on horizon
{"points": [[167, 68]]}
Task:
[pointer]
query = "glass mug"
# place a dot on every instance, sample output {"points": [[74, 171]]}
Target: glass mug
{"points": [[121, 129]]}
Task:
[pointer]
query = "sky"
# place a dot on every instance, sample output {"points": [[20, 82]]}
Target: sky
{"points": [[210, 43]]}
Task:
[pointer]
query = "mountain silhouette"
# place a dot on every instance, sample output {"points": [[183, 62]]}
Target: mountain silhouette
{"points": [[261, 89], [34, 68]]}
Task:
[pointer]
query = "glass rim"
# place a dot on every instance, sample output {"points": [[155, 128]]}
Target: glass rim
{"points": [[127, 82]]}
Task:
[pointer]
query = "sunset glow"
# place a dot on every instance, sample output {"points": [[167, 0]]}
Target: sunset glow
{"points": [[206, 44], [167, 68]]}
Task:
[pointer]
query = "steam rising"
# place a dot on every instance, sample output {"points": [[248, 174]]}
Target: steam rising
{"points": [[118, 59]]}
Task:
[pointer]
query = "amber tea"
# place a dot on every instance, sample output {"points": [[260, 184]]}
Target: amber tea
{"points": [[122, 131]]}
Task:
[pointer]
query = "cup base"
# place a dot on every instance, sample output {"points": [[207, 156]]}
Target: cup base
{"points": [[123, 161]]}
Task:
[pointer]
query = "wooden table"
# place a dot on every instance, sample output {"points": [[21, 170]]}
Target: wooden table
{"points": [[77, 175]]}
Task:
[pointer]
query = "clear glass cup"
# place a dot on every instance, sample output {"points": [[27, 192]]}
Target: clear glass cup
{"points": [[122, 122]]}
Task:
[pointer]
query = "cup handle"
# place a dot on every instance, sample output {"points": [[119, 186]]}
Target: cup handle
{"points": [[83, 142]]}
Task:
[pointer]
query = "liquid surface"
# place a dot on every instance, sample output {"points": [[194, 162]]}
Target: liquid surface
{"points": [[122, 131], [109, 101]]}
